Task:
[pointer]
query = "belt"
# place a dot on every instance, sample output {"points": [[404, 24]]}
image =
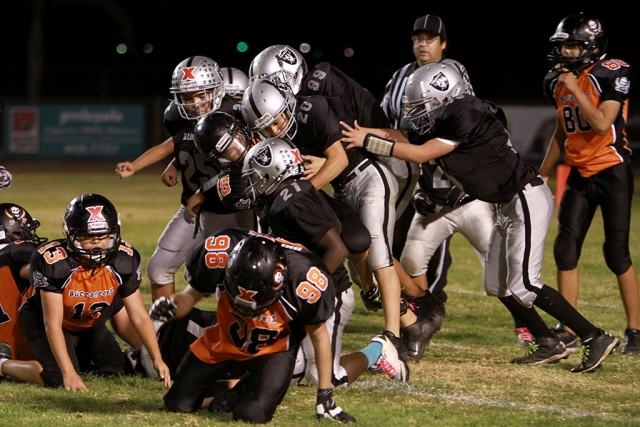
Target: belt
{"points": [[356, 171], [535, 182]]}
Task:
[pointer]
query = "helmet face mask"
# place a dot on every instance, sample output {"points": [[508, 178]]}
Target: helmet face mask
{"points": [[197, 87], [268, 163], [266, 102], [89, 216], [222, 140], [255, 275], [582, 31], [17, 224], [282, 62], [428, 89]]}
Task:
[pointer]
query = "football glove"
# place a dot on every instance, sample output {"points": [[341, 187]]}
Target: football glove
{"points": [[422, 203], [163, 309], [326, 408], [457, 197]]}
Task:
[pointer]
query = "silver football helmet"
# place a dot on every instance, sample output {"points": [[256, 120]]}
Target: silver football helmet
{"points": [[428, 89], [281, 61], [268, 101], [268, 163], [463, 72], [192, 75], [236, 81]]}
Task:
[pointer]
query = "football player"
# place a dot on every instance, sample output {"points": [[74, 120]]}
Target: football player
{"points": [[591, 94], [472, 147], [18, 240], [270, 295], [77, 283], [198, 89], [235, 80]]}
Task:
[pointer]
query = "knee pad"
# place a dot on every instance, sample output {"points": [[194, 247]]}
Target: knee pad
{"points": [[565, 251], [157, 270], [617, 257], [251, 411], [52, 379]]}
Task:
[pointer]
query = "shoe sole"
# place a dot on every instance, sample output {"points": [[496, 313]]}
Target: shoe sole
{"points": [[551, 360], [610, 350]]}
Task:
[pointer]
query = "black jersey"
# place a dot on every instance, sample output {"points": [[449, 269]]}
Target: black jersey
{"points": [[301, 214], [85, 293], [229, 188], [195, 171], [318, 119], [484, 164], [326, 80]]}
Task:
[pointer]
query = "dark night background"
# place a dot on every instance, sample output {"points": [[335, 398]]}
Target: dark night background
{"points": [[504, 46]]}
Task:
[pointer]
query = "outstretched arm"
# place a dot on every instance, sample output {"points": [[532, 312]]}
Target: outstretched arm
{"points": [[149, 157]]}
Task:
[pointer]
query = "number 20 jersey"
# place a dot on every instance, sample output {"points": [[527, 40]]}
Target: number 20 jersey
{"points": [[308, 299]]}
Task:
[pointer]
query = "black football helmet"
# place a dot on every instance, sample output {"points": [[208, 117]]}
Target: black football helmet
{"points": [[17, 224], [584, 31], [222, 140], [91, 214], [255, 274]]}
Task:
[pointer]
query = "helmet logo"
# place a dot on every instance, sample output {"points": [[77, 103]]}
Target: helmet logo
{"points": [[188, 73], [286, 55], [440, 82], [247, 295], [278, 276], [263, 157], [297, 158], [593, 29], [96, 222], [15, 214]]}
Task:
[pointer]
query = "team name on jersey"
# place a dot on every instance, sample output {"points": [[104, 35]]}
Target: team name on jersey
{"points": [[266, 319], [188, 136], [97, 294]]}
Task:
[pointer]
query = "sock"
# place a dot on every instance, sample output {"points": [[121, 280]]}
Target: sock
{"points": [[2, 363], [528, 316], [557, 306], [372, 352]]}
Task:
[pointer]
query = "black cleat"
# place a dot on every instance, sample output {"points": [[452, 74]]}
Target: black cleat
{"points": [[595, 349], [631, 345], [545, 350], [418, 335], [425, 306], [399, 344], [570, 340], [5, 350]]}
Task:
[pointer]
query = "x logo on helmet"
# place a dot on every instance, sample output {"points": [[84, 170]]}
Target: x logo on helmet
{"points": [[96, 214], [188, 73], [246, 294]]}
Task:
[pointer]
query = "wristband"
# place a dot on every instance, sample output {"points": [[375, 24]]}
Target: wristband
{"points": [[324, 395], [376, 145]]}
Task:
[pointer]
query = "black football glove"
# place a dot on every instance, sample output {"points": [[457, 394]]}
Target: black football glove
{"points": [[326, 408], [422, 203], [163, 309], [457, 197]]}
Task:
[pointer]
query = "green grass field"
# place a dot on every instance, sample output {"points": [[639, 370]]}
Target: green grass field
{"points": [[464, 379]]}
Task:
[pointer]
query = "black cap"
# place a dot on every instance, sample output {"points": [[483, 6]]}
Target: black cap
{"points": [[432, 24]]}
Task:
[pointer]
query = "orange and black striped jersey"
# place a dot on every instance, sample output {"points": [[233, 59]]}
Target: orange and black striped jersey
{"points": [[85, 293], [308, 299], [12, 258], [607, 79]]}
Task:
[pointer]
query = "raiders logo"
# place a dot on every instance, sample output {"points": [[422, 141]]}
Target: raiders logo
{"points": [[264, 157], [286, 55], [440, 82]]}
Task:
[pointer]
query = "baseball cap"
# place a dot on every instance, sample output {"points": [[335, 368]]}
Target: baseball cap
{"points": [[432, 24]]}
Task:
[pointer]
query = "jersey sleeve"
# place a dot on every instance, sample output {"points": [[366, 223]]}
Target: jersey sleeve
{"points": [[127, 265], [50, 267], [549, 86], [614, 77], [312, 291]]}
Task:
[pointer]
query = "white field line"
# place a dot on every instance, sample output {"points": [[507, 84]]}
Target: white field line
{"points": [[470, 399]]}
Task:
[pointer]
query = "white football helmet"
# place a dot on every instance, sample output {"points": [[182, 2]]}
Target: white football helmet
{"points": [[192, 75], [428, 89], [281, 61], [263, 103], [268, 163], [236, 80]]}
